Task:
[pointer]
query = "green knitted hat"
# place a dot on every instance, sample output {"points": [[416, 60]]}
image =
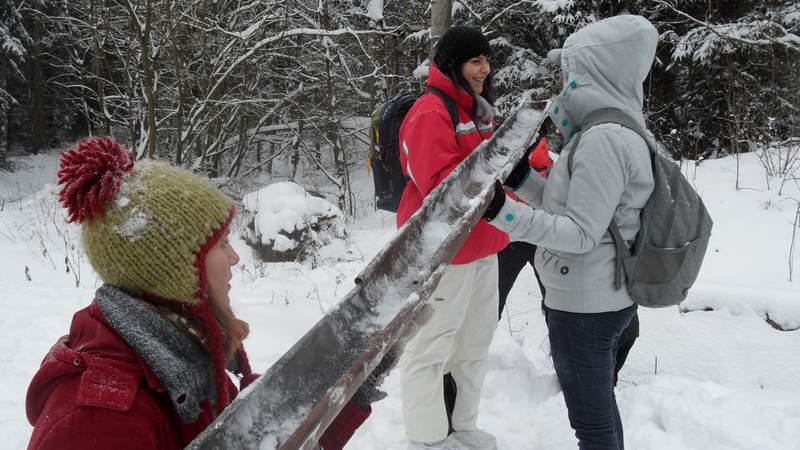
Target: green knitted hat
{"points": [[147, 237], [147, 229]]}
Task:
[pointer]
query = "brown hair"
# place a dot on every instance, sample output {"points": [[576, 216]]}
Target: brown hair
{"points": [[234, 329]]}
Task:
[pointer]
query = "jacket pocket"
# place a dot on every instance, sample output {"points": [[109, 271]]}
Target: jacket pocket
{"points": [[558, 271]]}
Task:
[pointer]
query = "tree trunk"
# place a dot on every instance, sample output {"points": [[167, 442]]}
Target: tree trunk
{"points": [[441, 17], [38, 131], [270, 152], [4, 109], [177, 59], [98, 70], [295, 160], [148, 75], [240, 154], [133, 113], [4, 164], [377, 48]]}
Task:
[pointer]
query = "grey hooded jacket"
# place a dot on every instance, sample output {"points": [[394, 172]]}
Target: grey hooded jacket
{"points": [[604, 65]]}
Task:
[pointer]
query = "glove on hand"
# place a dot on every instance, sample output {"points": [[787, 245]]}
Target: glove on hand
{"points": [[497, 202], [539, 158], [369, 393], [535, 156]]}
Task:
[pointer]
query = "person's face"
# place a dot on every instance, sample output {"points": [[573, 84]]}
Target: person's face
{"points": [[475, 71], [219, 261]]}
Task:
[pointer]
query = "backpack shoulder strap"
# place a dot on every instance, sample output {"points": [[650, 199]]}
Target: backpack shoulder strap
{"points": [[609, 115], [449, 104], [619, 117]]}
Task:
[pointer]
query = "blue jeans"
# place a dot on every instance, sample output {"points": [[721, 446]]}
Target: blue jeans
{"points": [[584, 355]]}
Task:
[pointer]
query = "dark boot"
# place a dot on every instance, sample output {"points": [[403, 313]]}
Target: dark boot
{"points": [[450, 390]]}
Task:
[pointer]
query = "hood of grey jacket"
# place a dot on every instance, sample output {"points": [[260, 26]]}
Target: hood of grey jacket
{"points": [[604, 65]]}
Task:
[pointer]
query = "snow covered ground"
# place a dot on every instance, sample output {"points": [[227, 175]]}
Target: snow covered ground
{"points": [[714, 375]]}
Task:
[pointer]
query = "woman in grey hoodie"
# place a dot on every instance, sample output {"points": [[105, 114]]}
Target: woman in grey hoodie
{"points": [[603, 66]]}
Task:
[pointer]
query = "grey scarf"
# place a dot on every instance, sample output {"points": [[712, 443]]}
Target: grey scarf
{"points": [[484, 111], [178, 360]]}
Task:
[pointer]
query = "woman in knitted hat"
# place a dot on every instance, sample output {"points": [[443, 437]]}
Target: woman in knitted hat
{"points": [[145, 364], [456, 338]]}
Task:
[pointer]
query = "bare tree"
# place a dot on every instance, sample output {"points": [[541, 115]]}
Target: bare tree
{"points": [[13, 38], [441, 18]]}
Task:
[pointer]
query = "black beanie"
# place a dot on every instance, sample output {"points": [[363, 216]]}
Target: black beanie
{"points": [[458, 46]]}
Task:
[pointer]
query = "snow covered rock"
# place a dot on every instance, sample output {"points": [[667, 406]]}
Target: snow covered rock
{"points": [[283, 222]]}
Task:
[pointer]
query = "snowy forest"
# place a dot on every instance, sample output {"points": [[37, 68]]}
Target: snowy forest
{"points": [[272, 100], [227, 87]]}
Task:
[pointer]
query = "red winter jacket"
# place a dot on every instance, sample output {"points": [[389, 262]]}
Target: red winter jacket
{"points": [[434, 149], [93, 391]]}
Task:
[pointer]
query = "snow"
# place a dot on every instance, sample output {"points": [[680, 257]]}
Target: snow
{"points": [[703, 42], [133, 227], [725, 378], [552, 6], [10, 44], [375, 10], [519, 67], [422, 70], [419, 36], [285, 207], [31, 172]]}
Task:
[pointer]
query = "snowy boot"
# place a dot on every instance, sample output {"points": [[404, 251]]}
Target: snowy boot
{"points": [[475, 440], [448, 443]]}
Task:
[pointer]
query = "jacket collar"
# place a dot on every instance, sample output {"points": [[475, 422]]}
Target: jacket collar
{"points": [[177, 360], [460, 96]]}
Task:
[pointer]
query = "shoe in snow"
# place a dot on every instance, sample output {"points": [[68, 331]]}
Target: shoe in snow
{"points": [[447, 444], [475, 440]]}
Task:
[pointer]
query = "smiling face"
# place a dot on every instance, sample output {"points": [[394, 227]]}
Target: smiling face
{"points": [[219, 260], [475, 71]]}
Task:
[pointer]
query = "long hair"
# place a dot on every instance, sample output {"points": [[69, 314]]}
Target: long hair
{"points": [[488, 84], [234, 329]]}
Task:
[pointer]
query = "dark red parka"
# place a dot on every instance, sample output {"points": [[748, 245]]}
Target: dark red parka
{"points": [[431, 149], [93, 391]]}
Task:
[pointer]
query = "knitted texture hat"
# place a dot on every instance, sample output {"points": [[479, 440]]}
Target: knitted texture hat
{"points": [[147, 228], [457, 46]]}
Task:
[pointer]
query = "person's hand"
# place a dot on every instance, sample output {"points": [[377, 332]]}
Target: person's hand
{"points": [[520, 171], [369, 393], [539, 158], [497, 202]]}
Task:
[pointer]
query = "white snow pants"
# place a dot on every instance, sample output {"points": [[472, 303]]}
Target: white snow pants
{"points": [[456, 339]]}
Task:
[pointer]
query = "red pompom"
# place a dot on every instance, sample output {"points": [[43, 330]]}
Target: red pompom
{"points": [[92, 175]]}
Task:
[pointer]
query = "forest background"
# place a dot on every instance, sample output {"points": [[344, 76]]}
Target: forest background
{"points": [[231, 87]]}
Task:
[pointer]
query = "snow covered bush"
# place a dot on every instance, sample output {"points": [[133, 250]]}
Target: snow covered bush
{"points": [[282, 222]]}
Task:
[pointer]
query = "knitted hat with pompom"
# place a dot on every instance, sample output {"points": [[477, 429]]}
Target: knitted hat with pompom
{"points": [[146, 229]]}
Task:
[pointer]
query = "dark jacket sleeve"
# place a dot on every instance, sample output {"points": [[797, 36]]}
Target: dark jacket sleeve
{"points": [[343, 426]]}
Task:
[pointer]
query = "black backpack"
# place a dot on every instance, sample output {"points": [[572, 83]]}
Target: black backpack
{"points": [[384, 154], [675, 229]]}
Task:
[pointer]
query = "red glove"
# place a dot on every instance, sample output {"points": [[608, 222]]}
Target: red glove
{"points": [[539, 159]]}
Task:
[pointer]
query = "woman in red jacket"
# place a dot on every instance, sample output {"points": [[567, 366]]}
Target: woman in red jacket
{"points": [[456, 338], [144, 366]]}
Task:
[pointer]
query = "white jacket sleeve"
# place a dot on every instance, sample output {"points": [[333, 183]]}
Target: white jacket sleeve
{"points": [[532, 189]]}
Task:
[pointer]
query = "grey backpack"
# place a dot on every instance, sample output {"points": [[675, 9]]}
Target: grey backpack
{"points": [[675, 228]]}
